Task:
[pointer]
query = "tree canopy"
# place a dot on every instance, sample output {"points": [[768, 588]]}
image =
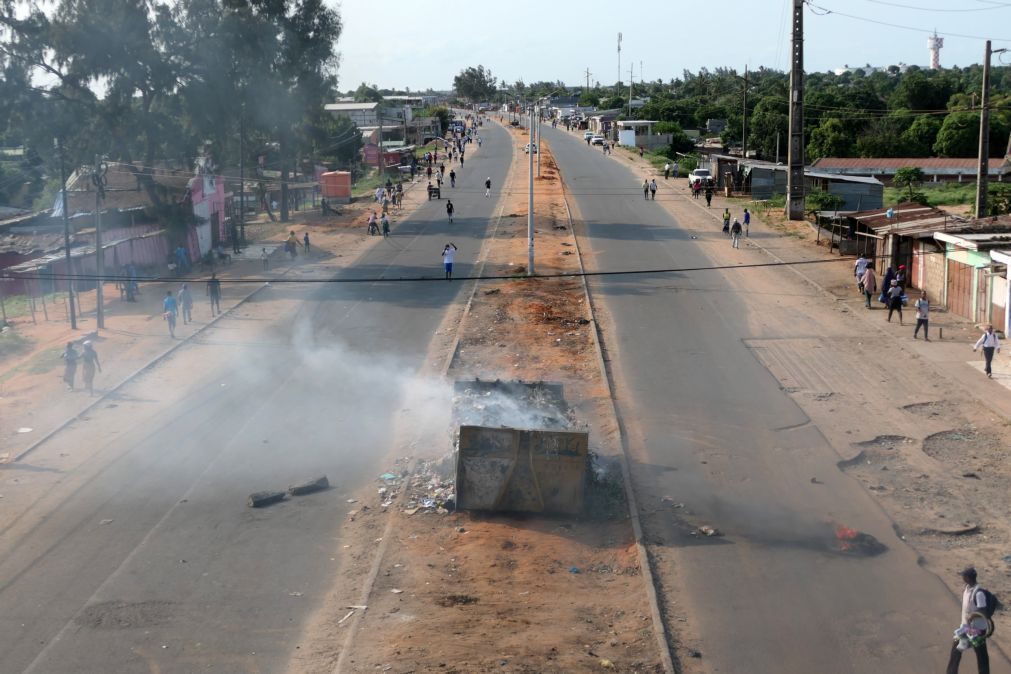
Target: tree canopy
{"points": [[476, 84]]}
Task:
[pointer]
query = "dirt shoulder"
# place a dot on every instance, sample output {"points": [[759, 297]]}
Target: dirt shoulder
{"points": [[463, 592]]}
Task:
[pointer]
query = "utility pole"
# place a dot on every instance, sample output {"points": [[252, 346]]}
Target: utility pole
{"points": [[744, 117], [240, 231], [99, 180], [631, 76], [983, 171], [538, 142], [530, 203], [795, 151], [66, 233], [619, 57], [587, 79]]}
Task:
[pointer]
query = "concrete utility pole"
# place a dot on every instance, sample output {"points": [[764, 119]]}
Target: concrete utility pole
{"points": [[66, 234], [619, 57], [240, 231], [99, 180], [631, 76], [983, 170], [587, 79], [795, 151], [538, 142], [744, 117], [530, 202]]}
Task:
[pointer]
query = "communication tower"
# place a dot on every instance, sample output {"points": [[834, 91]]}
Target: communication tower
{"points": [[934, 44]]}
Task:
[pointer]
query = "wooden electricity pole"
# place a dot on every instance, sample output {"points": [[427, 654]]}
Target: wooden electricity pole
{"points": [[983, 170]]}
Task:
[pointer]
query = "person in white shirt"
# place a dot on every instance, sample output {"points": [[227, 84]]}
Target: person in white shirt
{"points": [[990, 343], [858, 270], [973, 621], [922, 313], [447, 259]]}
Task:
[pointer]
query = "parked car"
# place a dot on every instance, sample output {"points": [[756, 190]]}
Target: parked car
{"points": [[526, 148], [598, 140], [700, 174], [587, 135]]}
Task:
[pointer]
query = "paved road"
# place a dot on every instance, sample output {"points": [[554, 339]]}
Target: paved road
{"points": [[709, 426], [143, 555]]}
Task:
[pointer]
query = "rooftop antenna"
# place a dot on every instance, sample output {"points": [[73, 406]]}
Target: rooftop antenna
{"points": [[934, 44]]}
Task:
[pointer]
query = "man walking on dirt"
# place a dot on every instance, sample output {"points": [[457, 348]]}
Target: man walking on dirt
{"points": [[709, 197], [666, 171], [990, 343], [171, 308], [214, 292], [652, 189], [922, 312], [487, 187], [859, 267], [449, 210], [735, 233], [974, 620], [869, 283]]}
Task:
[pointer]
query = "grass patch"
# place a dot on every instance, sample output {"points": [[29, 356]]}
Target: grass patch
{"points": [[367, 185], [11, 344], [938, 194], [20, 305]]}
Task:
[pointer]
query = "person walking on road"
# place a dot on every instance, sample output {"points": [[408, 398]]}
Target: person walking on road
{"points": [[186, 303], [447, 259], [171, 309], [90, 360], [974, 627], [922, 314], [991, 344], [645, 189], [214, 292], [384, 222], [265, 258], [666, 171], [735, 233], [305, 243], [70, 357], [652, 189], [709, 197], [869, 282], [747, 223], [894, 293], [726, 221], [487, 187], [449, 210], [859, 267], [452, 178]]}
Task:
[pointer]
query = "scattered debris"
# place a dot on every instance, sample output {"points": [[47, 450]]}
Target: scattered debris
{"points": [[706, 530], [966, 530], [493, 291], [574, 569], [694, 654], [25, 429], [294, 594], [606, 664], [309, 486], [106, 522], [971, 476], [853, 542], [262, 499], [396, 591]]}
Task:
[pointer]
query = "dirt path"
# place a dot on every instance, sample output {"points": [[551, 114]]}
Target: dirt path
{"points": [[465, 592]]}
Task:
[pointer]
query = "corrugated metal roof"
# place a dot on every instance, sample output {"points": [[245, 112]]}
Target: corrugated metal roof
{"points": [[349, 107], [881, 163]]}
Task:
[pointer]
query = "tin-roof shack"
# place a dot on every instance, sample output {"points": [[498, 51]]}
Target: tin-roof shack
{"points": [[936, 169]]}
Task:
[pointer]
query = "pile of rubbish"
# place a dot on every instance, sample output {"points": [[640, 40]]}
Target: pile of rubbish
{"points": [[393, 481], [432, 488]]}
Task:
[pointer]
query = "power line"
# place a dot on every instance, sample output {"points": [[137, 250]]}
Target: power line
{"points": [[425, 279], [993, 5], [825, 11]]}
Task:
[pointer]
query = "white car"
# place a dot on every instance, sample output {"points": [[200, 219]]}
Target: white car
{"points": [[587, 135], [598, 140], [699, 174], [526, 148]]}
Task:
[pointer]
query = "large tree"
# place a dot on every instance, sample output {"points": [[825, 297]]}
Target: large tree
{"points": [[475, 84]]}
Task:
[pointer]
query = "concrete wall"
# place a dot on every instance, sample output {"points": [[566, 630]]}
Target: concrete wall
{"points": [[933, 264]]}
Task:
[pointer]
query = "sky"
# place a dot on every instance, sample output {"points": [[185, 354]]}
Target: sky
{"points": [[407, 43]]}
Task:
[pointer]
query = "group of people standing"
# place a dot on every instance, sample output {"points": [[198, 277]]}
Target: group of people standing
{"points": [[735, 229], [172, 306], [893, 296]]}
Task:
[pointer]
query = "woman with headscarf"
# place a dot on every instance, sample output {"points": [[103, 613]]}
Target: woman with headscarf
{"points": [[886, 283]]}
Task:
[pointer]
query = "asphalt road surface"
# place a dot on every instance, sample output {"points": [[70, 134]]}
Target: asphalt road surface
{"points": [[135, 550], [710, 427]]}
